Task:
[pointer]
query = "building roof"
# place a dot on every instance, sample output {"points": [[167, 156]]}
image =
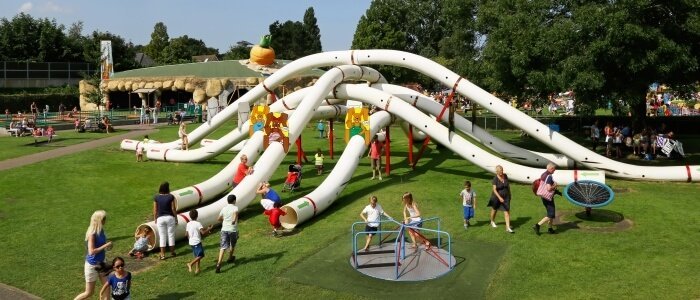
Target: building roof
{"points": [[213, 69], [144, 60], [205, 58]]}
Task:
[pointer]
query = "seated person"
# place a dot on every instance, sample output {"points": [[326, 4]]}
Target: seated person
{"points": [[106, 124], [88, 123], [178, 117], [15, 129]]}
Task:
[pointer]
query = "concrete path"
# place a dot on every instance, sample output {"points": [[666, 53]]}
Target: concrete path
{"points": [[136, 131]]}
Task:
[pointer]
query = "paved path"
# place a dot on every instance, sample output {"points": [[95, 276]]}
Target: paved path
{"points": [[136, 130]]}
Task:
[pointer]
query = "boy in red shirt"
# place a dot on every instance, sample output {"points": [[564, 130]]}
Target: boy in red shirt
{"points": [[275, 212]]}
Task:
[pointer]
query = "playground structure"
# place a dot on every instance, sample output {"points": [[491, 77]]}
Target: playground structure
{"points": [[331, 85], [394, 261]]}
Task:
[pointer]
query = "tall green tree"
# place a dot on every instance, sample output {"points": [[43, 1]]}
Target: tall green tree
{"points": [[600, 49], [181, 49], [313, 42], [123, 53], [159, 41], [24, 38], [288, 39], [239, 51]]}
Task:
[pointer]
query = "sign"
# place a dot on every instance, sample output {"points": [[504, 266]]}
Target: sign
{"points": [[106, 62]]}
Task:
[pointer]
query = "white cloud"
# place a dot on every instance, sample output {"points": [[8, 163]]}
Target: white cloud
{"points": [[51, 7], [26, 7]]}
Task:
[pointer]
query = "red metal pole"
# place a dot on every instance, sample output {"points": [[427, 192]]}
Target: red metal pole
{"points": [[387, 151], [330, 138], [410, 146]]}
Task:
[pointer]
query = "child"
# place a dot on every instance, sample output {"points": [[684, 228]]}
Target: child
{"points": [[141, 244], [468, 202], [275, 212], [119, 282], [321, 128], [139, 154], [373, 213], [319, 162], [195, 231], [269, 196]]}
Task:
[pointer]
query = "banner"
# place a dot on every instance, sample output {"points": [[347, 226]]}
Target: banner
{"points": [[106, 63]]}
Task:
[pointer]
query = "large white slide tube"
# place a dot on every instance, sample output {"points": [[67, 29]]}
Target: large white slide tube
{"points": [[515, 153], [454, 142], [305, 208], [274, 154], [534, 128]]}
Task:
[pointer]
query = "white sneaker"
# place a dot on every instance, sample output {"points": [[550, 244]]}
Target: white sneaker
{"points": [[466, 226], [493, 224], [510, 230]]}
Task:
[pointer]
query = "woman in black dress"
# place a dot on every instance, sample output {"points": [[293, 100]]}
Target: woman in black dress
{"points": [[500, 197]]}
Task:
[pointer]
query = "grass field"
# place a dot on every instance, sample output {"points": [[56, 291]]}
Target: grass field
{"points": [[45, 209], [18, 146]]}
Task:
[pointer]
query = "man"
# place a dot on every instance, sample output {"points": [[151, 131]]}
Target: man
{"points": [[547, 184], [229, 231]]}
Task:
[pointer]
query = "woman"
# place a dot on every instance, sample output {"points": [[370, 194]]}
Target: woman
{"points": [[411, 215], [500, 197], [97, 243], [183, 135], [164, 214]]}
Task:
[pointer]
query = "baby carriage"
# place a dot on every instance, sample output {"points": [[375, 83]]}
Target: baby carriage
{"points": [[293, 180]]}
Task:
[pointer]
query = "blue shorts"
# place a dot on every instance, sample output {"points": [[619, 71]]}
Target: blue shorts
{"points": [[468, 212], [198, 250], [228, 239]]}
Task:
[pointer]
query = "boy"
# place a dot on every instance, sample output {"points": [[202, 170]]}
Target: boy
{"points": [[468, 202], [195, 231], [275, 212], [318, 161], [229, 231], [374, 213]]}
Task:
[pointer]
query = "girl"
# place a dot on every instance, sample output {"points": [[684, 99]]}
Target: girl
{"points": [[97, 244], [119, 282], [183, 135], [375, 152], [319, 161], [411, 215]]}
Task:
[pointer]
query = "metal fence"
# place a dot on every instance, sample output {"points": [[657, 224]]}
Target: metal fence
{"points": [[45, 70]]}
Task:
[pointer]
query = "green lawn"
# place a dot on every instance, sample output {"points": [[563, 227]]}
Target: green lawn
{"points": [[18, 146], [45, 209]]}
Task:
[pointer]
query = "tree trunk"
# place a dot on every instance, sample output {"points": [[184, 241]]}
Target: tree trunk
{"points": [[638, 108]]}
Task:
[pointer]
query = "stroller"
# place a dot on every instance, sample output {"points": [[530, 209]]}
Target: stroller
{"points": [[293, 180]]}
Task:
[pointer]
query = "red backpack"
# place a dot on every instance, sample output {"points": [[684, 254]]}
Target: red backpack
{"points": [[535, 185]]}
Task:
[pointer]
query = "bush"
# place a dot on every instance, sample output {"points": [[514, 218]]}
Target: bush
{"points": [[21, 102]]}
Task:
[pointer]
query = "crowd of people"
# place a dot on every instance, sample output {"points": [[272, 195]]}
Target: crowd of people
{"points": [[646, 143]]}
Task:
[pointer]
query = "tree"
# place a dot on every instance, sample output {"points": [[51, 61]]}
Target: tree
{"points": [[159, 41], [123, 53], [239, 51], [27, 39], [601, 49], [313, 41], [181, 49]]}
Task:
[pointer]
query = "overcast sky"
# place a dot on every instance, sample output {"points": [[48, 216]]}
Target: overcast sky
{"points": [[219, 24]]}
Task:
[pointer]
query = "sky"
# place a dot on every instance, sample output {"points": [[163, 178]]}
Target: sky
{"points": [[219, 24]]}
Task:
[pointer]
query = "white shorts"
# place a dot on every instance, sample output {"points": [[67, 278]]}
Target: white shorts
{"points": [[267, 204], [91, 274]]}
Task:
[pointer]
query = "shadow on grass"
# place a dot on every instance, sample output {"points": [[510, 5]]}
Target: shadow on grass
{"points": [[176, 295], [225, 266]]}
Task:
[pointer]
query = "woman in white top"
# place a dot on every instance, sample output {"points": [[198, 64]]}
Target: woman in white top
{"points": [[411, 215], [183, 135]]}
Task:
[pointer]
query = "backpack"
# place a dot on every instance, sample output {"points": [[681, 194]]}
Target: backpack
{"points": [[536, 186]]}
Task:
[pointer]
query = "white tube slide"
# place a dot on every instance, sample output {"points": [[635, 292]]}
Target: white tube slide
{"points": [[454, 142], [230, 139], [235, 148], [305, 208], [515, 153], [274, 154], [534, 128]]}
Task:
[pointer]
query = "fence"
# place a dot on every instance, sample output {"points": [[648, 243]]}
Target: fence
{"points": [[42, 74]]}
